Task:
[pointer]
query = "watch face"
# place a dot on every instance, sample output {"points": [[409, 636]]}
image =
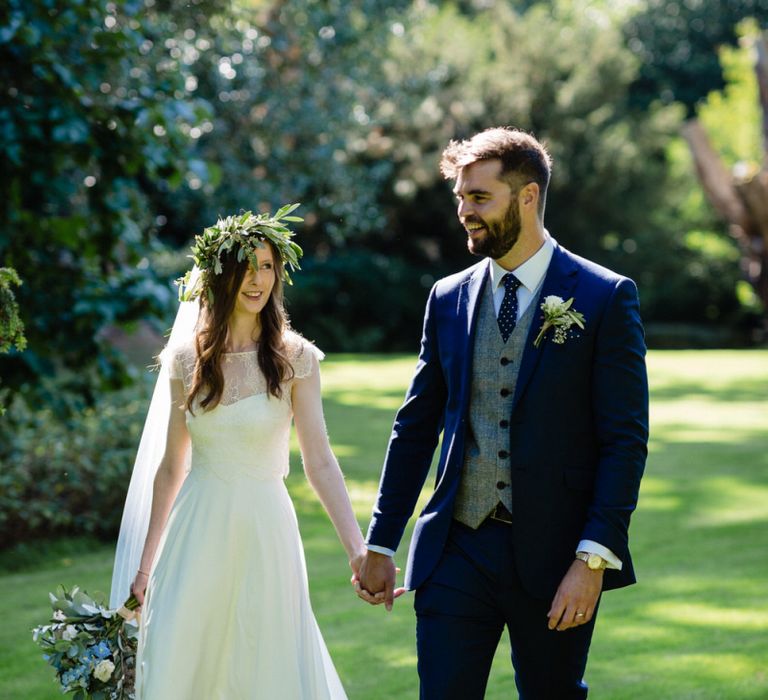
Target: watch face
{"points": [[595, 561]]}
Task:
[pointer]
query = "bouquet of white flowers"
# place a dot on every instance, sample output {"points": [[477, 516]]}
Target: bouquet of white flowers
{"points": [[92, 648]]}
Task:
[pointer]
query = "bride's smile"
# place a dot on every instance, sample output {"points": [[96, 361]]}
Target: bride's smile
{"points": [[257, 284]]}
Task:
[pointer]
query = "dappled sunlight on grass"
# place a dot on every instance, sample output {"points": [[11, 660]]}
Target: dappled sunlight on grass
{"points": [[706, 583], [367, 372], [386, 401], [395, 657], [713, 667], [655, 495], [700, 614], [340, 449], [709, 370], [694, 628], [362, 496], [732, 502], [634, 633], [691, 629], [706, 420]]}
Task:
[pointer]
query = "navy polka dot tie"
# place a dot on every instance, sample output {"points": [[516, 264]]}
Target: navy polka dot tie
{"points": [[508, 310]]}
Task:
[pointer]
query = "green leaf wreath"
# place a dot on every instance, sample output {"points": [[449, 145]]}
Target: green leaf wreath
{"points": [[244, 233]]}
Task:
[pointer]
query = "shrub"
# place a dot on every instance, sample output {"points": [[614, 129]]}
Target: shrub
{"points": [[68, 475]]}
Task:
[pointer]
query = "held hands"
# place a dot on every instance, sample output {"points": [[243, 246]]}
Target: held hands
{"points": [[374, 581], [576, 598]]}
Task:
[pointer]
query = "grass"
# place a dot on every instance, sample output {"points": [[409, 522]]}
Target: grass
{"points": [[696, 626]]}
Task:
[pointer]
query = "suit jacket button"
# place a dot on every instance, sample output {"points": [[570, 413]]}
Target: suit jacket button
{"points": [[504, 392], [500, 485]]}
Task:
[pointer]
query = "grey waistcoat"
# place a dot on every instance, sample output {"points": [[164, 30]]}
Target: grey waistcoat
{"points": [[487, 473]]}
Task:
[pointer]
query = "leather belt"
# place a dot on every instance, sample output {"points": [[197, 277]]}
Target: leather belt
{"points": [[501, 514]]}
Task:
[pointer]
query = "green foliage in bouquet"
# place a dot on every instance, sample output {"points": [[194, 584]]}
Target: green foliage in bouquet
{"points": [[92, 648], [244, 234]]}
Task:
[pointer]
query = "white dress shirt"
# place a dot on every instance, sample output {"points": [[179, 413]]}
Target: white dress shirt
{"points": [[531, 275]]}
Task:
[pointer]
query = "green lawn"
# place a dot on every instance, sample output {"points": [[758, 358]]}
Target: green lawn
{"points": [[696, 626]]}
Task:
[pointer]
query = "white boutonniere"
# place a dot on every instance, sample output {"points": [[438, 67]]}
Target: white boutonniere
{"points": [[559, 315]]}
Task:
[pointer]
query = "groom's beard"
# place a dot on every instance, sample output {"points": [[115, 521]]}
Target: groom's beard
{"points": [[499, 237]]}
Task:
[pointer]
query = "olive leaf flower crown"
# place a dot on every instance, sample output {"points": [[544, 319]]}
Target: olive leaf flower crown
{"points": [[244, 233]]}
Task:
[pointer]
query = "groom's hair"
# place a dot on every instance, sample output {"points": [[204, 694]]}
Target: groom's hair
{"points": [[523, 158]]}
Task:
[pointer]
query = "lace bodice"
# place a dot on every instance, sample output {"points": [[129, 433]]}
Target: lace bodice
{"points": [[242, 375], [247, 433]]}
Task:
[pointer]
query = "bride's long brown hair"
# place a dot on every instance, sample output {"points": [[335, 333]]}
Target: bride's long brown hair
{"points": [[212, 329]]}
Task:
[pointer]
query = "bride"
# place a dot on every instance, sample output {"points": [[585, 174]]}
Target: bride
{"points": [[221, 575]]}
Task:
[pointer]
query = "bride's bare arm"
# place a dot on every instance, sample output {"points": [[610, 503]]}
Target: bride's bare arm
{"points": [[170, 475], [320, 464]]}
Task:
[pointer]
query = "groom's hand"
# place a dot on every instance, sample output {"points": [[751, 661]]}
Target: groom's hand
{"points": [[576, 598], [375, 581]]}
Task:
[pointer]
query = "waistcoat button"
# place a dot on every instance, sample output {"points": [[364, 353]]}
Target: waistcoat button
{"points": [[500, 485]]}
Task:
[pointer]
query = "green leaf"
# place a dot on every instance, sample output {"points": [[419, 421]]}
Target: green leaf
{"points": [[287, 209]]}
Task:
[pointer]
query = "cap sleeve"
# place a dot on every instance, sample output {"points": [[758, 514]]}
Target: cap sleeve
{"points": [[180, 361], [302, 354]]}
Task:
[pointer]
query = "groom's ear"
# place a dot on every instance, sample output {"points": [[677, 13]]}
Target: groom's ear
{"points": [[529, 195]]}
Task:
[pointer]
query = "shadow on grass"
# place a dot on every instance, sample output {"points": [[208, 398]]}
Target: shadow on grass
{"points": [[734, 390]]}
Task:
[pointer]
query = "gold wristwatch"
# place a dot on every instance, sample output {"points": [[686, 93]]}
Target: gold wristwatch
{"points": [[594, 561]]}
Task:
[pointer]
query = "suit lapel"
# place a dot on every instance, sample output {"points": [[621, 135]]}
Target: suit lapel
{"points": [[466, 311], [559, 281]]}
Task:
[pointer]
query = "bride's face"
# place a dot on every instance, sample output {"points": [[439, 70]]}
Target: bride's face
{"points": [[257, 284]]}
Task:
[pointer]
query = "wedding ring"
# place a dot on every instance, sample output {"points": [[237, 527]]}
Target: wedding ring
{"points": [[579, 614]]}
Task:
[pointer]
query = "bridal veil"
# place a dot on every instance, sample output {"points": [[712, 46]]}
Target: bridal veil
{"points": [[138, 502]]}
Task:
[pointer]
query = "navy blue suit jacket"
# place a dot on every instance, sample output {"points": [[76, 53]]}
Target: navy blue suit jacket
{"points": [[578, 427]]}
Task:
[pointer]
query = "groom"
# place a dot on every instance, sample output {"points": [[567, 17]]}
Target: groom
{"points": [[544, 442]]}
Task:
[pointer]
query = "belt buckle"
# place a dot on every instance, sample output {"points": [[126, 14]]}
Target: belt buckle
{"points": [[501, 514]]}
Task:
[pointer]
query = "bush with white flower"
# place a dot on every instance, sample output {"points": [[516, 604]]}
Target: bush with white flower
{"points": [[92, 648]]}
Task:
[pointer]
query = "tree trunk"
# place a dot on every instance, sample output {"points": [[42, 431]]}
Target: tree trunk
{"points": [[741, 202]]}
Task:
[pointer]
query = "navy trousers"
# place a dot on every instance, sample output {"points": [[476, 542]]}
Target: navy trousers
{"points": [[462, 609]]}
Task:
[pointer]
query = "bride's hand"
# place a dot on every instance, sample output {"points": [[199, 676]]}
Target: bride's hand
{"points": [[355, 563], [139, 586]]}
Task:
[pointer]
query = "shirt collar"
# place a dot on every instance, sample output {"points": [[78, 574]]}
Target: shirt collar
{"points": [[531, 272]]}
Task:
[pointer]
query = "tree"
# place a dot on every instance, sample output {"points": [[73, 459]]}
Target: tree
{"points": [[740, 195], [462, 71], [292, 85], [678, 43], [91, 116]]}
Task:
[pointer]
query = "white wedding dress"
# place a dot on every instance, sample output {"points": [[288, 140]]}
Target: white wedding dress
{"points": [[227, 614]]}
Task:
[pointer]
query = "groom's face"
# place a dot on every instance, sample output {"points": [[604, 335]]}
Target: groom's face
{"points": [[487, 208]]}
